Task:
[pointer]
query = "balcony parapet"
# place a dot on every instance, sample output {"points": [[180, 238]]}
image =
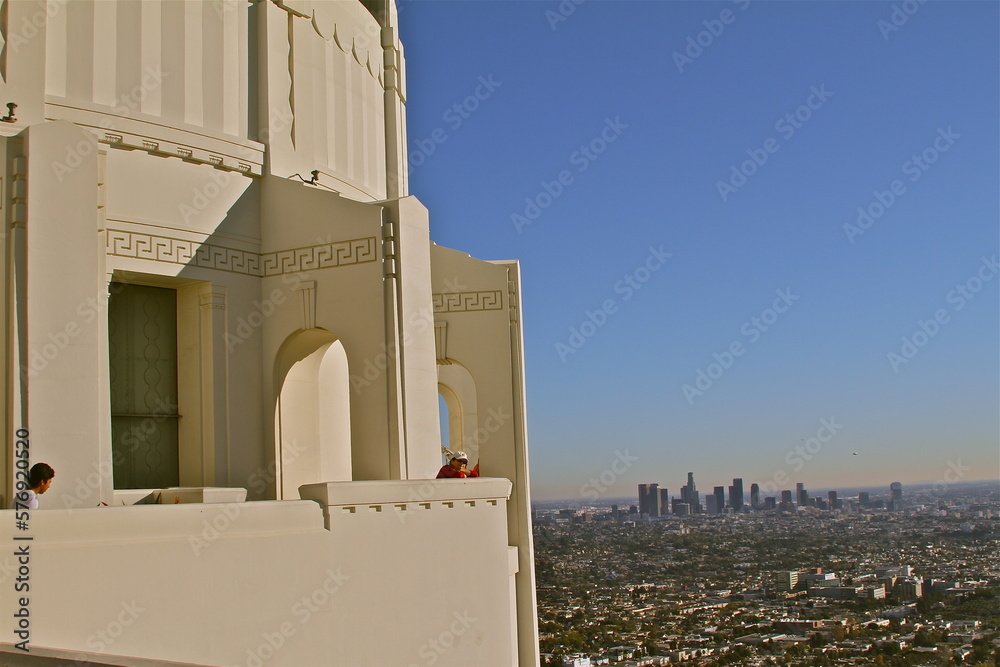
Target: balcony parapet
{"points": [[406, 496], [390, 491]]}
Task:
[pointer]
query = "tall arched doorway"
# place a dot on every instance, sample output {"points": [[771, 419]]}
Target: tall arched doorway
{"points": [[457, 391], [313, 413]]}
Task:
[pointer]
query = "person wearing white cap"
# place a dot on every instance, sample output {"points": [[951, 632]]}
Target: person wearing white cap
{"points": [[458, 467]]}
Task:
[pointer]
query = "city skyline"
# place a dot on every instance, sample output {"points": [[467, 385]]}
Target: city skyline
{"points": [[844, 492], [653, 500], [757, 250]]}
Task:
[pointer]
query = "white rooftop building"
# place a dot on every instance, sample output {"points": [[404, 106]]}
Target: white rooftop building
{"points": [[227, 329]]}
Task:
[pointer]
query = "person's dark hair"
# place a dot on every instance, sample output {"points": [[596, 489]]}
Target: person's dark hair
{"points": [[39, 473]]}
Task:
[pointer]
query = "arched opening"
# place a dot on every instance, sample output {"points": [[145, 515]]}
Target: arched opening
{"points": [[443, 420], [450, 412], [313, 412], [459, 416]]}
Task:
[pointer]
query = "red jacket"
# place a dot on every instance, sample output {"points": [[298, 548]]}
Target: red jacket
{"points": [[447, 471]]}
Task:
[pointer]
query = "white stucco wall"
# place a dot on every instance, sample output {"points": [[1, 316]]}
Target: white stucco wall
{"points": [[406, 570]]}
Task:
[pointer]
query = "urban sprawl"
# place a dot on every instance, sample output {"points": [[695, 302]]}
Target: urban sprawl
{"points": [[871, 577]]}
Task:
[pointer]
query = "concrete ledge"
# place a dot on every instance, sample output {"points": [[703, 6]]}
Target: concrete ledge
{"points": [[378, 492], [138, 523], [51, 657], [201, 494], [180, 495]]}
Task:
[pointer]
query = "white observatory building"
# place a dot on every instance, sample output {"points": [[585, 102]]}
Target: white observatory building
{"points": [[228, 331]]}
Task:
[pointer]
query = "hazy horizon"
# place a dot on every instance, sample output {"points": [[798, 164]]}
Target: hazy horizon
{"points": [[845, 491]]}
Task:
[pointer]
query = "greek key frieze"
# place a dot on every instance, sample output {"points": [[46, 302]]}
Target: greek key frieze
{"points": [[456, 302], [221, 258]]}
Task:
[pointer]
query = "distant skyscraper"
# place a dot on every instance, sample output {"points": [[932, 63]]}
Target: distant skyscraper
{"points": [[786, 497], [664, 502], [736, 494], [755, 495], [649, 499], [801, 495], [711, 505], [769, 503], [614, 512], [689, 495], [831, 498], [719, 493], [896, 496], [863, 498]]}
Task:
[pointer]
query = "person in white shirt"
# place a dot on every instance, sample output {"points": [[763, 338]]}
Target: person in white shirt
{"points": [[39, 480]]}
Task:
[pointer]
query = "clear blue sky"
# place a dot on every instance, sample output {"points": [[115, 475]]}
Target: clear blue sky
{"points": [[744, 155]]}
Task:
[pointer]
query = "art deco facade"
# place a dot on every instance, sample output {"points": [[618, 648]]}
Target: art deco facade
{"points": [[227, 329]]}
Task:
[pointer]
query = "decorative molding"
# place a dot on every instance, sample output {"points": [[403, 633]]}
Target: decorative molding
{"points": [[214, 298], [324, 256], [220, 258], [410, 507], [461, 302], [19, 191], [512, 298], [161, 148], [307, 303], [441, 343], [389, 249], [179, 251]]}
